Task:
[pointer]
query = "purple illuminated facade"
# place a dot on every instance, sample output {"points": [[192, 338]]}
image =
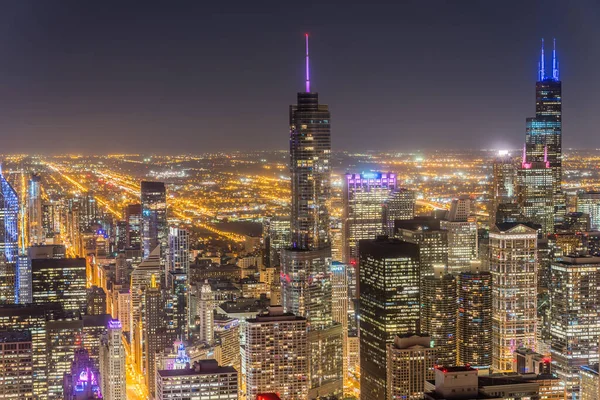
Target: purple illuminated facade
{"points": [[83, 382]]}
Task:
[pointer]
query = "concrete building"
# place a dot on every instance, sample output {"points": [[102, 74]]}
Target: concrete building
{"points": [[513, 261], [410, 362], [277, 355], [205, 380], [112, 363]]}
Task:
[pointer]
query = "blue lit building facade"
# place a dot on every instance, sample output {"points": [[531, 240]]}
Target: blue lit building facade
{"points": [[542, 155], [9, 242]]}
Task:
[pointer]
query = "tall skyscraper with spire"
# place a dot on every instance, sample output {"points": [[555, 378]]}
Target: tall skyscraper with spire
{"points": [[310, 169], [306, 265], [540, 175]]}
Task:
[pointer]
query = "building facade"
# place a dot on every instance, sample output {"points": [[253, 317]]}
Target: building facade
{"points": [[389, 303], [513, 260]]}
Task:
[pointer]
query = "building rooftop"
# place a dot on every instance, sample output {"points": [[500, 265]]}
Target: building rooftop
{"points": [[201, 367]]}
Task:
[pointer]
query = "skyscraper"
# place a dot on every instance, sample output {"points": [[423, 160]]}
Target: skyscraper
{"points": [[474, 320], [112, 363], [205, 380], [133, 220], [513, 260], [154, 217], [400, 205], [535, 193], [389, 303], [178, 256], [438, 314], [589, 203], [504, 184], [574, 317], [410, 362], [540, 174], [363, 196], [34, 211], [310, 169], [305, 266], [9, 239], [462, 235], [60, 280], [544, 131], [277, 355], [432, 241], [16, 365]]}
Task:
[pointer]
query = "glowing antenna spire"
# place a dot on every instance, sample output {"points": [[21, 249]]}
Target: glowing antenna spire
{"points": [[307, 67], [555, 73], [542, 64]]}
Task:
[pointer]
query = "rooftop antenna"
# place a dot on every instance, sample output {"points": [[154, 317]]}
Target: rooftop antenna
{"points": [[555, 73], [307, 66], [542, 71]]}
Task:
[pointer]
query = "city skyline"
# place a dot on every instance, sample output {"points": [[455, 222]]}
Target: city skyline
{"points": [[175, 75], [311, 275]]}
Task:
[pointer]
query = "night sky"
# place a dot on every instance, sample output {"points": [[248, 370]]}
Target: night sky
{"points": [[197, 76]]}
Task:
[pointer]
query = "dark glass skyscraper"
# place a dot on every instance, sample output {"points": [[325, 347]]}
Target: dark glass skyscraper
{"points": [[305, 266], [389, 303], [540, 174], [310, 169], [544, 131], [155, 230]]}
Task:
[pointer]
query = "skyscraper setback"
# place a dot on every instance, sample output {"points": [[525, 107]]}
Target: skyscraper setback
{"points": [[305, 266], [310, 169], [540, 175]]}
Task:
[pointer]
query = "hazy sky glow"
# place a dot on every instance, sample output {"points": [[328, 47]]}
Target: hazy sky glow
{"points": [[196, 76]]}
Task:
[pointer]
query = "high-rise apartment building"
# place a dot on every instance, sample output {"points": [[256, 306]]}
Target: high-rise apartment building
{"points": [[154, 217], [16, 365], [277, 355], [513, 261], [438, 314], [389, 303], [462, 235], [112, 363], [574, 317], [474, 319], [410, 362]]}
